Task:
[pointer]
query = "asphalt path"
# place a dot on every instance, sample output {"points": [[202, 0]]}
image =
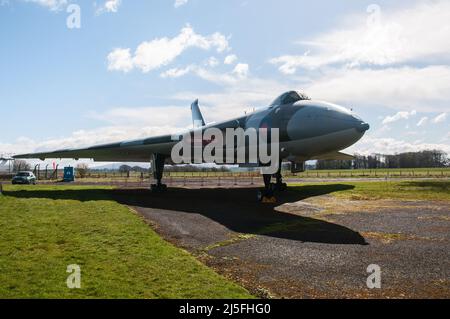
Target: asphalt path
{"points": [[306, 246]]}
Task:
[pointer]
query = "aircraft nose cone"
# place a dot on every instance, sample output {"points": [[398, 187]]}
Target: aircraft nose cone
{"points": [[363, 127]]}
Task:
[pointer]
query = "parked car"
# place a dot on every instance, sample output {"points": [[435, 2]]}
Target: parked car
{"points": [[24, 178]]}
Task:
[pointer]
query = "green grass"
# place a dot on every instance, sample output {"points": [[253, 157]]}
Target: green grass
{"points": [[120, 256], [376, 173], [404, 190]]}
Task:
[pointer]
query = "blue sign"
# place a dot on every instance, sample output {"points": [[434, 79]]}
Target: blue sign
{"points": [[69, 174]]}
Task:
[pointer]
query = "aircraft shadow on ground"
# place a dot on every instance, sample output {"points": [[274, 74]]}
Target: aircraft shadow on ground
{"points": [[234, 208]]}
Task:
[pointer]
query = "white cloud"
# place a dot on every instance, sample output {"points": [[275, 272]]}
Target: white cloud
{"points": [[153, 116], [236, 96], [289, 63], [109, 6], [159, 52], [177, 72], [120, 60], [424, 89], [440, 118], [422, 121], [419, 33], [212, 62], [53, 5], [241, 70], [230, 59], [398, 116], [179, 3], [388, 145], [237, 75]]}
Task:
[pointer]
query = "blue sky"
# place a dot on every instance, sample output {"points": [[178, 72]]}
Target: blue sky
{"points": [[133, 67]]}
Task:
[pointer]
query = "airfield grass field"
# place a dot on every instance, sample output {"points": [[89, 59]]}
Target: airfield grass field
{"points": [[332, 173], [45, 228], [402, 190], [119, 254]]}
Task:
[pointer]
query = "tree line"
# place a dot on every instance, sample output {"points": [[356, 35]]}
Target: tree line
{"points": [[422, 159]]}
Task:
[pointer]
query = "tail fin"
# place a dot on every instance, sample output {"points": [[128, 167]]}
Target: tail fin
{"points": [[197, 117]]}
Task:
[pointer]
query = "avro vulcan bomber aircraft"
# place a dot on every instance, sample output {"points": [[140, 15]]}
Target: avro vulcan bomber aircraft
{"points": [[307, 129]]}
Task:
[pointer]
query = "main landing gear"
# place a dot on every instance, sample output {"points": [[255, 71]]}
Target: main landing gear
{"points": [[158, 161], [268, 194]]}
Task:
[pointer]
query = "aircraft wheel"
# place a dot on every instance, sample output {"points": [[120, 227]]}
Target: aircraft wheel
{"points": [[282, 187], [266, 197]]}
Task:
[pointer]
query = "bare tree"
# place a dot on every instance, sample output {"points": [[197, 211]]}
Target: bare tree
{"points": [[82, 170], [20, 165]]}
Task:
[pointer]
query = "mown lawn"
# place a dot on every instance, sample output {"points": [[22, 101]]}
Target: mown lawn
{"points": [[406, 190], [120, 256]]}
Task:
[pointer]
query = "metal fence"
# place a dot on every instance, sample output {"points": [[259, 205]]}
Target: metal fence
{"points": [[114, 176]]}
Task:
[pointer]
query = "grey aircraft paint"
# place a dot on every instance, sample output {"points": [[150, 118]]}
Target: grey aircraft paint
{"points": [[308, 130]]}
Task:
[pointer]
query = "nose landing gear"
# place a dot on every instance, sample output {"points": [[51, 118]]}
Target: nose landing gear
{"points": [[280, 186], [158, 161], [267, 195]]}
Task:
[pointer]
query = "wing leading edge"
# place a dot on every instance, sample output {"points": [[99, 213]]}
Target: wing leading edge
{"points": [[131, 151]]}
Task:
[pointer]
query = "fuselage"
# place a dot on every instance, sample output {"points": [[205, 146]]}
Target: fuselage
{"points": [[307, 129]]}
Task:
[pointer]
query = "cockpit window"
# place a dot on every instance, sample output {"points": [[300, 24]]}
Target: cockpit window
{"points": [[289, 98]]}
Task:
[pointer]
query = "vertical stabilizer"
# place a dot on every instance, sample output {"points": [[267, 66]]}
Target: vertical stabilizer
{"points": [[197, 117]]}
